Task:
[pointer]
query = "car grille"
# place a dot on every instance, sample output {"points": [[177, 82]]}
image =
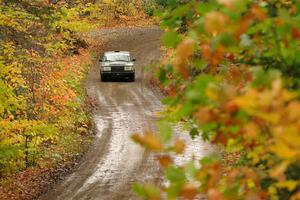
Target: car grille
{"points": [[117, 68]]}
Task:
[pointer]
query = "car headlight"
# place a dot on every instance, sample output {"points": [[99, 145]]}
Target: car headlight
{"points": [[106, 68], [105, 64], [127, 68]]}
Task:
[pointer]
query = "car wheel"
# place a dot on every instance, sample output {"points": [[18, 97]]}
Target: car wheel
{"points": [[103, 78], [132, 78]]}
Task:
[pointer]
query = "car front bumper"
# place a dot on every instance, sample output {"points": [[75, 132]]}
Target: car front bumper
{"points": [[125, 73]]}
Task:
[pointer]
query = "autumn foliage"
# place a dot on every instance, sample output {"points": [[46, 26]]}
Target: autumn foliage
{"points": [[234, 77], [42, 103]]}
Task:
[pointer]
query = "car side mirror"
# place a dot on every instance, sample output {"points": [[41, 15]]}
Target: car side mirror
{"points": [[133, 59]]}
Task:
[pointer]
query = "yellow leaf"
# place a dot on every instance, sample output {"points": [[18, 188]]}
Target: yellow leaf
{"points": [[276, 87], [213, 92], [278, 171], [289, 134], [289, 184], [283, 150], [293, 110], [247, 101], [251, 130], [272, 117]]}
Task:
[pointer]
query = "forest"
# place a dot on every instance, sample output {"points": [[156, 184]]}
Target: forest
{"points": [[229, 73]]}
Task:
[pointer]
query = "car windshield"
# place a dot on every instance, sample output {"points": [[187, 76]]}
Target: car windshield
{"points": [[117, 57]]}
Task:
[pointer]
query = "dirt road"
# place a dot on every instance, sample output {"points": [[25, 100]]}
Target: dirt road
{"points": [[114, 162]]}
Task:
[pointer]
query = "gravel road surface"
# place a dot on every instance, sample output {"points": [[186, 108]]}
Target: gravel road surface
{"points": [[114, 162]]}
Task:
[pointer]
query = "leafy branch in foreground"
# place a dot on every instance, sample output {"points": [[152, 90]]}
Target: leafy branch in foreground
{"points": [[233, 80]]}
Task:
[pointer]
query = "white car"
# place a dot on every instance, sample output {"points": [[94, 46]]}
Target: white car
{"points": [[117, 64]]}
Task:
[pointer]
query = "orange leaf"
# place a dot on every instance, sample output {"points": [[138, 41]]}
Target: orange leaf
{"points": [[227, 3], [171, 91], [189, 190], [243, 25], [251, 130], [185, 49], [278, 171], [258, 12], [179, 146], [220, 138], [165, 160], [295, 33], [206, 114], [183, 71], [215, 22], [138, 139], [231, 107], [152, 141], [214, 194], [296, 196]]}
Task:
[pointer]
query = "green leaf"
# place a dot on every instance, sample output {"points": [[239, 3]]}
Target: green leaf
{"points": [[194, 132], [226, 39], [205, 7], [174, 174], [139, 190], [165, 131], [233, 129], [170, 101], [263, 78], [191, 168], [207, 127], [152, 191], [298, 6], [162, 75], [174, 190], [171, 39], [209, 160]]}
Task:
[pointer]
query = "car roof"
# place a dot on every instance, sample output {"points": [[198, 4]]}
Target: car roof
{"points": [[117, 52]]}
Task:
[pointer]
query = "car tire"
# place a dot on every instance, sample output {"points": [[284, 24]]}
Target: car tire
{"points": [[103, 78], [132, 77]]}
